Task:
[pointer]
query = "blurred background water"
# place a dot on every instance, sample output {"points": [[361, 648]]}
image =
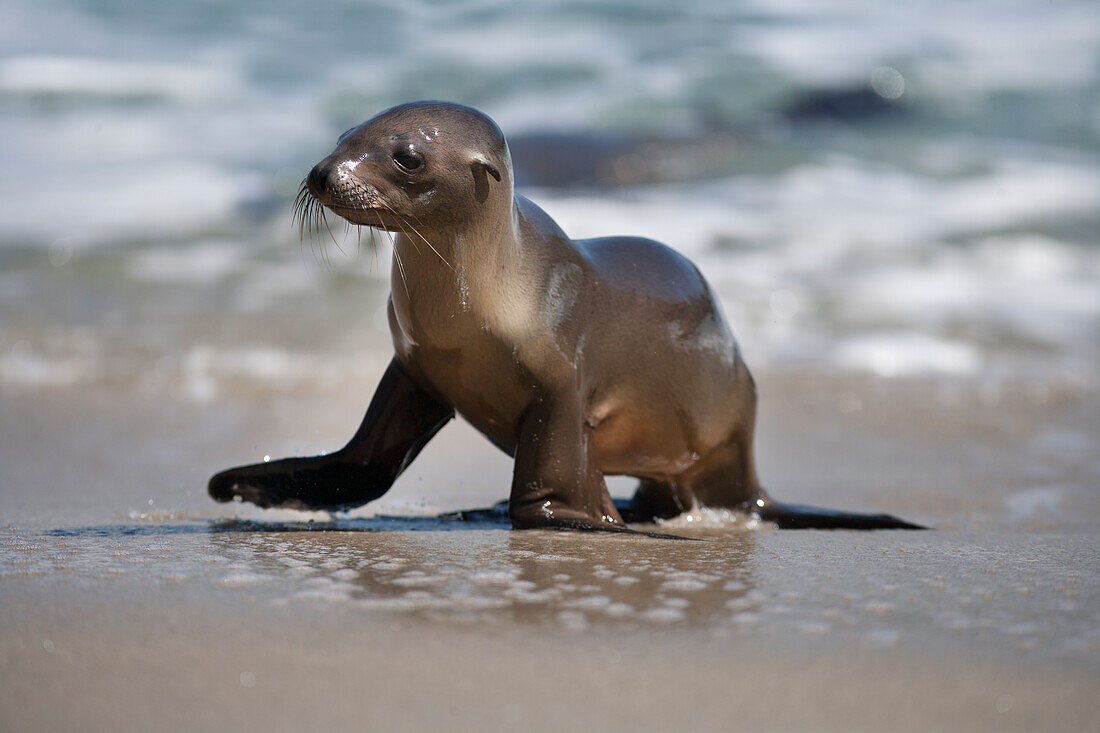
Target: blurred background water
{"points": [[894, 188]]}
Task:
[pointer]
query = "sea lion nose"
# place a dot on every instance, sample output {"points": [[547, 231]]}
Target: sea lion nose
{"points": [[318, 178]]}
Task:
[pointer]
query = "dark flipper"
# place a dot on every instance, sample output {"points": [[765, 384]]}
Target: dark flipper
{"points": [[800, 516], [318, 482], [556, 481], [499, 513], [401, 419], [785, 516], [789, 516]]}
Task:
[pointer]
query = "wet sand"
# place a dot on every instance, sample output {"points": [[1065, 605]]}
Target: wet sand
{"points": [[130, 601], [258, 670]]}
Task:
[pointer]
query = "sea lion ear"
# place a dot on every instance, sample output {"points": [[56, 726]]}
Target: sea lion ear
{"points": [[488, 165], [481, 182]]}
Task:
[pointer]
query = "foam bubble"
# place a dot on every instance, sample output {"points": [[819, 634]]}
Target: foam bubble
{"points": [[899, 354], [26, 366], [243, 578], [1032, 503], [195, 263], [664, 614]]}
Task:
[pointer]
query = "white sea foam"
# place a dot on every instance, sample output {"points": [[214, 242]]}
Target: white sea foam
{"points": [[828, 209], [1036, 47], [901, 354], [164, 200], [54, 74], [204, 370], [24, 365], [243, 578], [882, 245], [200, 262], [1035, 503], [919, 249]]}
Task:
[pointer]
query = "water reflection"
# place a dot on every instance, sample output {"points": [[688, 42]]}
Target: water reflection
{"points": [[571, 578], [435, 568], [993, 595]]}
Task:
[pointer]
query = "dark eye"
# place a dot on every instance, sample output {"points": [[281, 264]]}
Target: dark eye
{"points": [[407, 163]]}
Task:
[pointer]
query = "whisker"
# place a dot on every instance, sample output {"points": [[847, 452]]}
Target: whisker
{"points": [[448, 264], [319, 222], [396, 258], [332, 236], [424, 239], [374, 235], [301, 205], [400, 225], [318, 256], [403, 222], [311, 218], [303, 213]]}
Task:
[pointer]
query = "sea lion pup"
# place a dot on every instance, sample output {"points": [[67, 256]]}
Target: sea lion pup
{"points": [[578, 358]]}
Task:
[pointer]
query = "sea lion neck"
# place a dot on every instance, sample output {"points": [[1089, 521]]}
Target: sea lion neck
{"points": [[486, 241], [445, 282]]}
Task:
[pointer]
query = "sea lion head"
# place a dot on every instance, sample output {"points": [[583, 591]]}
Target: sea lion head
{"points": [[422, 166]]}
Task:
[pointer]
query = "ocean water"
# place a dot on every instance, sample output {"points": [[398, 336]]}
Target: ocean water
{"points": [[903, 190]]}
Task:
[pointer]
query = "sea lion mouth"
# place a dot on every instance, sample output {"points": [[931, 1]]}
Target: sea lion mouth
{"points": [[357, 205], [367, 216]]}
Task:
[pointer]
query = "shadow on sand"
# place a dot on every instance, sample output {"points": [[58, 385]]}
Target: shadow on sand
{"points": [[490, 518]]}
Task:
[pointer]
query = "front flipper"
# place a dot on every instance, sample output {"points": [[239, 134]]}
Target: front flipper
{"points": [[557, 480], [401, 419], [318, 482]]}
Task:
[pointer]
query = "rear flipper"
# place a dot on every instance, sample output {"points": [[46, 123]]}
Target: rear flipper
{"points": [[785, 516], [650, 504], [800, 516]]}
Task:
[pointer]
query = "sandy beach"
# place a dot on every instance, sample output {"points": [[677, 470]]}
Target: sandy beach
{"points": [[127, 607]]}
